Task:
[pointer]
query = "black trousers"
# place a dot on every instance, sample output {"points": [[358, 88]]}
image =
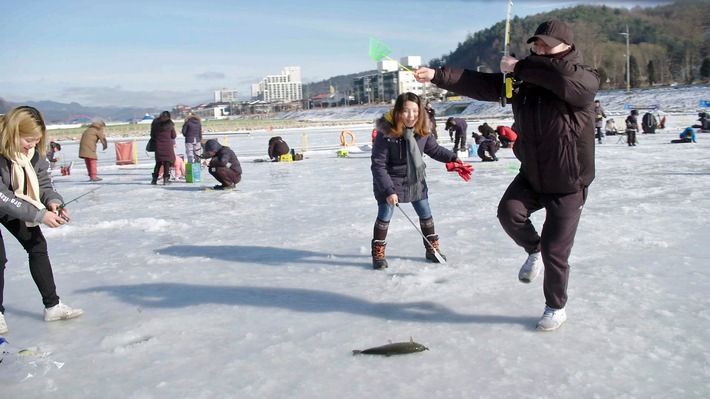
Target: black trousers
{"points": [[33, 241], [225, 176], [166, 169], [563, 212]]}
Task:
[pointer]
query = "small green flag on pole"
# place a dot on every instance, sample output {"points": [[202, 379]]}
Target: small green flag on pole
{"points": [[379, 50]]}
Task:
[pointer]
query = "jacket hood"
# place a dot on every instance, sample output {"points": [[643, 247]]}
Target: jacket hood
{"points": [[212, 145]]}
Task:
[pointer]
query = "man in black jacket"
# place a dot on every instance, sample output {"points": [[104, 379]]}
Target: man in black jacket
{"points": [[553, 107], [223, 165]]}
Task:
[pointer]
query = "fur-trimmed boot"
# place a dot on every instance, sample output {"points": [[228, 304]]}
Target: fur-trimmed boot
{"points": [[434, 240], [378, 254]]}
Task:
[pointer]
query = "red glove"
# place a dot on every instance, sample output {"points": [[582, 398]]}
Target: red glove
{"points": [[464, 170]]}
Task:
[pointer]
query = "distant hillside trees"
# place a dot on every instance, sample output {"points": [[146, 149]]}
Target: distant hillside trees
{"points": [[670, 42]]}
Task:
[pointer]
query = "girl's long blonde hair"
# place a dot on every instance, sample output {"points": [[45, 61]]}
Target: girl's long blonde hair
{"points": [[421, 127], [23, 121]]}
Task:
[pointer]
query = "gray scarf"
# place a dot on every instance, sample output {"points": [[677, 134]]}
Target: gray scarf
{"points": [[415, 166]]}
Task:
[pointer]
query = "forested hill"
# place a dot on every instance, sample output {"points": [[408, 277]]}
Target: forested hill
{"points": [[667, 43]]}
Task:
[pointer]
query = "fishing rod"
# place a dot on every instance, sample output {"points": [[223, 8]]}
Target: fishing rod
{"points": [[436, 253], [507, 90], [77, 198]]}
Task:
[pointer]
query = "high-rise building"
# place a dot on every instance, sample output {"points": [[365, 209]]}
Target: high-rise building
{"points": [[286, 87], [225, 96]]}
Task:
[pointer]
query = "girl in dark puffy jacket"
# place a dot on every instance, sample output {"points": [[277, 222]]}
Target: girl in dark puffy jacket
{"points": [[403, 134]]}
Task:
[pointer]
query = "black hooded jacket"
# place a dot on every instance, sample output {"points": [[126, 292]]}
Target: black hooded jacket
{"points": [[553, 107], [224, 157]]}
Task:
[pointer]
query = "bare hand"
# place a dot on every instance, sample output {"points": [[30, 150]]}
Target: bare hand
{"points": [[52, 219], [393, 200], [507, 64], [424, 74]]}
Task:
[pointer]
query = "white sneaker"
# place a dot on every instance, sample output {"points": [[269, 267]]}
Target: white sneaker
{"points": [[3, 325], [552, 319], [531, 268], [61, 312]]}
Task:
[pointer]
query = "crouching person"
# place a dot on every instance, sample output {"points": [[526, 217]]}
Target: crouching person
{"points": [[277, 147], [223, 165]]}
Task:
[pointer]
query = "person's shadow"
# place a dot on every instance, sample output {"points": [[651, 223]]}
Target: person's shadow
{"points": [[177, 295], [271, 256]]}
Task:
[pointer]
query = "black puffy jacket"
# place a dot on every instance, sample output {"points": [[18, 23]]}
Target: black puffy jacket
{"points": [[389, 162], [553, 107]]}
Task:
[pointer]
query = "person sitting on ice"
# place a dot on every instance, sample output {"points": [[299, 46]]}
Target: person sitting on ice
{"points": [[277, 147], [610, 128], [223, 165], [704, 120], [687, 136]]}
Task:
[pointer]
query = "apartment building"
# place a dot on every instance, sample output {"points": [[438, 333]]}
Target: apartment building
{"points": [[285, 87]]}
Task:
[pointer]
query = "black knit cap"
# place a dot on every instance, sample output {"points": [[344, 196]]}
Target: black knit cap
{"points": [[553, 33]]}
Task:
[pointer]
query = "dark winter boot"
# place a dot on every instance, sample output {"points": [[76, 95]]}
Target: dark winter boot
{"points": [[378, 254], [434, 240], [166, 178], [155, 179]]}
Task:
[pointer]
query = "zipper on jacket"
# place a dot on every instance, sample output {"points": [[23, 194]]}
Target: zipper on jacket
{"points": [[519, 117], [539, 125]]}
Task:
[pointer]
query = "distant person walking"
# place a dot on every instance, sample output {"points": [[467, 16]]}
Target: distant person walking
{"points": [[87, 148], [162, 131], [29, 200], [192, 131]]}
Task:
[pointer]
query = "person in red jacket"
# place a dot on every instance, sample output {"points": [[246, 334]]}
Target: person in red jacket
{"points": [[553, 108], [507, 136]]}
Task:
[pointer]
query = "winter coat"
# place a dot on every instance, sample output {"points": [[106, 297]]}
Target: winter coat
{"points": [[53, 149], [12, 207], [87, 145], [458, 129], [277, 147], [688, 135], [649, 123], [192, 130], [599, 116], [506, 132], [553, 107], [431, 114], [389, 162], [632, 124], [162, 131], [487, 144], [223, 157]]}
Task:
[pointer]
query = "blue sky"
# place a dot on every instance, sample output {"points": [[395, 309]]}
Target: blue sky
{"points": [[161, 53]]}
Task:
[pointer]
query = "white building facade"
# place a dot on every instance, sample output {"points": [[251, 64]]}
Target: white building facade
{"points": [[390, 81], [286, 87], [226, 96]]}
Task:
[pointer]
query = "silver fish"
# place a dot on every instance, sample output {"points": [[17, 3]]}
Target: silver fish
{"points": [[398, 348]]}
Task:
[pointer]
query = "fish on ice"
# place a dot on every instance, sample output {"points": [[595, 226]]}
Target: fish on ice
{"points": [[397, 348]]}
